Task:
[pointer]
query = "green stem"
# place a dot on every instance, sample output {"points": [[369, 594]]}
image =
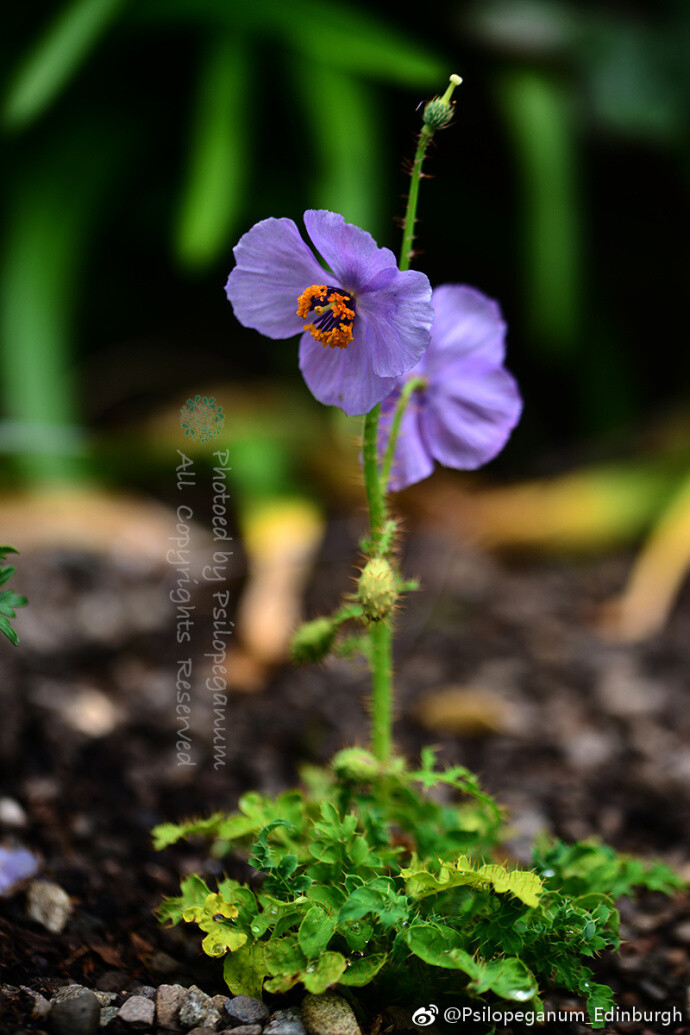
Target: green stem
{"points": [[381, 654], [372, 479], [406, 249], [376, 482], [406, 394]]}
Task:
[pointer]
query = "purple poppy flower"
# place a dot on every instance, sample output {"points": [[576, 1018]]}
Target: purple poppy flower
{"points": [[365, 323], [469, 404]]}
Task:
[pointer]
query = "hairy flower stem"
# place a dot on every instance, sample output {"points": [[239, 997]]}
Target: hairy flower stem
{"points": [[406, 250], [380, 653], [406, 394], [376, 481], [373, 484]]}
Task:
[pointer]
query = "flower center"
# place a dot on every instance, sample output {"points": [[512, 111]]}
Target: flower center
{"points": [[333, 312]]}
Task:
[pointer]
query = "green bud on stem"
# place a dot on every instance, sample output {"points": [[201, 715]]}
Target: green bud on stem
{"points": [[438, 113], [377, 589], [355, 765], [313, 640]]}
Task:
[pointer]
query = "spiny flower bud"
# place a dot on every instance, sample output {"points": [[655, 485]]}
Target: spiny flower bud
{"points": [[438, 113], [313, 641], [355, 765], [376, 590]]}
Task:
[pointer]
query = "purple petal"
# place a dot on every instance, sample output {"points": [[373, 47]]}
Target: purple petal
{"points": [[342, 377], [16, 864], [470, 414], [351, 252], [274, 266], [412, 461], [395, 314], [466, 323]]}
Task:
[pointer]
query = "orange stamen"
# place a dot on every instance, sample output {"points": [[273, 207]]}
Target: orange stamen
{"points": [[336, 332], [304, 302], [336, 338]]}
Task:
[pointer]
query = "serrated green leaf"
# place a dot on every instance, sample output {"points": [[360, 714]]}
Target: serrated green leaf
{"points": [[315, 932], [200, 909], [194, 890], [244, 970], [240, 896], [440, 946], [284, 956], [330, 898], [193, 894], [360, 972], [9, 632], [328, 971], [599, 1002], [169, 833], [290, 920], [357, 935], [524, 884], [9, 600], [362, 901], [166, 834], [282, 983], [222, 939], [509, 978]]}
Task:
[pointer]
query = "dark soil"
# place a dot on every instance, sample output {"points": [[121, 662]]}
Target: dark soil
{"points": [[583, 737]]}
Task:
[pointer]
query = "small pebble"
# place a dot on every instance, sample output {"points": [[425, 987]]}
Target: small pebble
{"points": [[169, 999], [148, 991], [202, 1031], [68, 992], [79, 1014], [12, 814], [41, 1007], [219, 1002], [244, 1009], [105, 998], [48, 905], [138, 1011], [328, 1014], [243, 1029], [285, 1022], [197, 1010], [108, 1014]]}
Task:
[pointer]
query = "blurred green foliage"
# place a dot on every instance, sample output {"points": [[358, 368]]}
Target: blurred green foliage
{"points": [[61, 176], [141, 138]]}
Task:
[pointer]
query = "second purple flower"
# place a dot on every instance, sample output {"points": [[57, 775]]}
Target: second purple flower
{"points": [[467, 404]]}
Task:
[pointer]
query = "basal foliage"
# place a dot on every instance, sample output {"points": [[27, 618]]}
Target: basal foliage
{"points": [[382, 878], [9, 600]]}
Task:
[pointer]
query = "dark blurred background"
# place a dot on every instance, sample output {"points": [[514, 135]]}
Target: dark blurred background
{"points": [[143, 138]]}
